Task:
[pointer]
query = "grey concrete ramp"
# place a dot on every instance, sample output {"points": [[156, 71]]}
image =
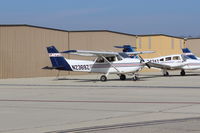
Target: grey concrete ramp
{"points": [[76, 102]]}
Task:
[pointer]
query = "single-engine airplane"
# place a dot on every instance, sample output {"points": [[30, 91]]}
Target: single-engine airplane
{"points": [[105, 63], [185, 61]]}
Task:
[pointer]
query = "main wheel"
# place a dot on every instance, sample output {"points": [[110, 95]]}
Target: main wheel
{"points": [[135, 78], [122, 77], [166, 74], [103, 78], [182, 73]]}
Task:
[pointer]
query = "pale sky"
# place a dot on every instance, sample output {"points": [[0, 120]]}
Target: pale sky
{"points": [[172, 17]]}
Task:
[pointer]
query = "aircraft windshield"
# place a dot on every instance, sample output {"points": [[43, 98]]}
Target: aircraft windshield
{"points": [[124, 55], [184, 57]]}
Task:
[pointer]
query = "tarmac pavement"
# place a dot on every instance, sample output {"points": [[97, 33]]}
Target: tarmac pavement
{"points": [[82, 103]]}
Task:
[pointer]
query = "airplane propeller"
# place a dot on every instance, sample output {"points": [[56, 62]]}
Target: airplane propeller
{"points": [[142, 60]]}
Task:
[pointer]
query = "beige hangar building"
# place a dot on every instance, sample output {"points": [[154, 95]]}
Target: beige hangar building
{"points": [[23, 47]]}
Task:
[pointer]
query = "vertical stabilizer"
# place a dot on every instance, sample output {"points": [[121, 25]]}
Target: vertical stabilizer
{"points": [[128, 48], [189, 54], [57, 60]]}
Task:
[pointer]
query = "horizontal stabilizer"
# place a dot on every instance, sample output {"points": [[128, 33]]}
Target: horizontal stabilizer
{"points": [[126, 48], [51, 68], [48, 68]]}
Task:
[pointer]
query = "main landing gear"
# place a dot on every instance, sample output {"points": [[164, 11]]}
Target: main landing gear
{"points": [[165, 73], [122, 77], [103, 78], [182, 72], [135, 78]]}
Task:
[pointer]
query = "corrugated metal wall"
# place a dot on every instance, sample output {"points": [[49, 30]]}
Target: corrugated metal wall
{"points": [[23, 47], [194, 45], [23, 50], [162, 45]]}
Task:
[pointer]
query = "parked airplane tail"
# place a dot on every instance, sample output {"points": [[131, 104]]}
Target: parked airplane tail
{"points": [[128, 48], [57, 60], [189, 54]]}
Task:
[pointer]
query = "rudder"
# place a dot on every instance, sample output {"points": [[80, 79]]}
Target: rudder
{"points": [[189, 54], [57, 60]]}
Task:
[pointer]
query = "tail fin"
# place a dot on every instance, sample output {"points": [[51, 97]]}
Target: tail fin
{"points": [[128, 48], [189, 54], [57, 60]]}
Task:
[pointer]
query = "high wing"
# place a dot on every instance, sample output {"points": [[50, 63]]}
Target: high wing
{"points": [[90, 53], [165, 66]]}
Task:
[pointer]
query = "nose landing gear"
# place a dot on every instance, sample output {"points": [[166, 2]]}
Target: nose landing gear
{"points": [[103, 78]]}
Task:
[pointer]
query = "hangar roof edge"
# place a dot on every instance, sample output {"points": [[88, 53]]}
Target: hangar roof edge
{"points": [[12, 25], [193, 38], [161, 35], [104, 31]]}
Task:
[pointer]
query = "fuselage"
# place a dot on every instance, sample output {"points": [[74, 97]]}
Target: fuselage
{"points": [[175, 62], [125, 65]]}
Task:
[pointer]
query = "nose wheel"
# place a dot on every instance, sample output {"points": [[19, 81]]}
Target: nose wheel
{"points": [[103, 78], [135, 77]]}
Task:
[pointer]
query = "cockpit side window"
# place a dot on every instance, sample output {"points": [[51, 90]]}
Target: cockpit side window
{"points": [[100, 60], [111, 59], [162, 59], [168, 58], [176, 58]]}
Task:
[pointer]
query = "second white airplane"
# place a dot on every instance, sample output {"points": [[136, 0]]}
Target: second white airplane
{"points": [[182, 62]]}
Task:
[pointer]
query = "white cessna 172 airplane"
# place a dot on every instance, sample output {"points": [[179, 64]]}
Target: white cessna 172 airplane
{"points": [[105, 62], [186, 61]]}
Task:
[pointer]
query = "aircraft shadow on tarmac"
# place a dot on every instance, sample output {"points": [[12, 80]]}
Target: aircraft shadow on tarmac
{"points": [[175, 75], [141, 78], [93, 80]]}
